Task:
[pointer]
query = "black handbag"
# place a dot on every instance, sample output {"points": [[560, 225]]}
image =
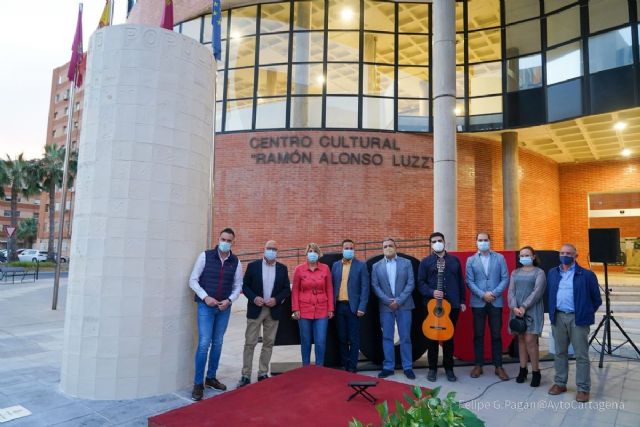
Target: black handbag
{"points": [[518, 324]]}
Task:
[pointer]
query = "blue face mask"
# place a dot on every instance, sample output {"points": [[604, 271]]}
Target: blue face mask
{"points": [[270, 254], [566, 260], [312, 257], [526, 260], [348, 253], [224, 246], [483, 246]]}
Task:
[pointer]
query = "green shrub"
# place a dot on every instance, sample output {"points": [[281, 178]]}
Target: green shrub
{"points": [[426, 410], [25, 264]]}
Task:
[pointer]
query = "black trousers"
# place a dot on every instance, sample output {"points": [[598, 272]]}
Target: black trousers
{"points": [[480, 316], [447, 347]]}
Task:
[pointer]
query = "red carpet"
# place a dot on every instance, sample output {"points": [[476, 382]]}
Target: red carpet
{"points": [[311, 396]]}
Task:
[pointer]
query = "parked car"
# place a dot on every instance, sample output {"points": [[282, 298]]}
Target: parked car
{"points": [[32, 255], [63, 259]]}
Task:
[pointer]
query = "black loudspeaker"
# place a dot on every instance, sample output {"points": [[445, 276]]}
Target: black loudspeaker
{"points": [[604, 245]]}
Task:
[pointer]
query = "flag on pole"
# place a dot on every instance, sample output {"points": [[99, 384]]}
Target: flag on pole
{"points": [[74, 74], [105, 18], [216, 21], [167, 15]]}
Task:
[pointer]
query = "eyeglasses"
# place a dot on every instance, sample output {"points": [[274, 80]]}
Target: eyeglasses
{"points": [[388, 246], [272, 249]]}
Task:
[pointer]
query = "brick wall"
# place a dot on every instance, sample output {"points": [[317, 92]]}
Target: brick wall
{"points": [[302, 202], [577, 181]]}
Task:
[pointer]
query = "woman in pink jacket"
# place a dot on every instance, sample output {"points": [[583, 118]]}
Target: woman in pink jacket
{"points": [[312, 303]]}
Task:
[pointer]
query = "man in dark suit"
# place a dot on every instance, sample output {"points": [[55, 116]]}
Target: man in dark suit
{"points": [[393, 283], [453, 291], [266, 285], [351, 291]]}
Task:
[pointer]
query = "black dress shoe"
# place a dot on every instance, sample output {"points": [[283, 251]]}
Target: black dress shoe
{"points": [[262, 377], [409, 374], [451, 377], [432, 375], [198, 392], [243, 382], [385, 373]]}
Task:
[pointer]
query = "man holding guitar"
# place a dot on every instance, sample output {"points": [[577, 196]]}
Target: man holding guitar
{"points": [[441, 283]]}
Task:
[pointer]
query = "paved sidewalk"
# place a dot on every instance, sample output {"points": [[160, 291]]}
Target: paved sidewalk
{"points": [[30, 358]]}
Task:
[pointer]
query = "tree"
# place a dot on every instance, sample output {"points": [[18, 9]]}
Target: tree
{"points": [[28, 231], [20, 175], [50, 170]]}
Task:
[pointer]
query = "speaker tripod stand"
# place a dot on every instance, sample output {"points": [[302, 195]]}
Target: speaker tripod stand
{"points": [[605, 324]]}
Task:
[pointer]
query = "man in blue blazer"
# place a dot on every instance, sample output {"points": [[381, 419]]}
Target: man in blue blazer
{"points": [[393, 283], [487, 278], [351, 291], [574, 298], [266, 286]]}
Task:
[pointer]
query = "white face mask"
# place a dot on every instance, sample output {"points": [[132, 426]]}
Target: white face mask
{"points": [[483, 246], [438, 246]]}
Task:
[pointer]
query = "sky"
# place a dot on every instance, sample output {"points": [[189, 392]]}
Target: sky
{"points": [[35, 38]]}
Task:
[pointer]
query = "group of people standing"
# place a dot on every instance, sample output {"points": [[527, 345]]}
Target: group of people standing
{"points": [[319, 293]]}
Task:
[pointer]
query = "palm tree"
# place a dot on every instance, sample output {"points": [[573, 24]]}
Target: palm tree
{"points": [[20, 175], [28, 231], [50, 170]]}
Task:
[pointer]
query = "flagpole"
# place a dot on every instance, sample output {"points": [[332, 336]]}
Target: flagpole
{"points": [[111, 9], [212, 165], [65, 178]]}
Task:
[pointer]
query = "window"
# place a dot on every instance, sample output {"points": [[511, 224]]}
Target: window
{"points": [[413, 18], [518, 10], [55, 114], [64, 130], [192, 28], [271, 113], [306, 111], [379, 16], [607, 13], [274, 17], [7, 213], [57, 97], [60, 77], [610, 50], [77, 106], [344, 14], [75, 124], [523, 38], [243, 21], [46, 207], [308, 15], [483, 14], [66, 110], [239, 114], [563, 26], [377, 113], [564, 63], [524, 72], [308, 47], [36, 215], [342, 111], [53, 133]]}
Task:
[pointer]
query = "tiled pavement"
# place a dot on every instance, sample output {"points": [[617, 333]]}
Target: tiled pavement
{"points": [[30, 358]]}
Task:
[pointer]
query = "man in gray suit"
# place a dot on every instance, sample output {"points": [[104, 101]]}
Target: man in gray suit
{"points": [[487, 278], [392, 281]]}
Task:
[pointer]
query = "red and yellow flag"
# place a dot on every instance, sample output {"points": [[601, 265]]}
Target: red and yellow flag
{"points": [[105, 18]]}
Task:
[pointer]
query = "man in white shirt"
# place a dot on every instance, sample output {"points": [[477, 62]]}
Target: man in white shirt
{"points": [[216, 280], [266, 286]]}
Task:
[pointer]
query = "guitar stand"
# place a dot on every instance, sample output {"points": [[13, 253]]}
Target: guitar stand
{"points": [[360, 388]]}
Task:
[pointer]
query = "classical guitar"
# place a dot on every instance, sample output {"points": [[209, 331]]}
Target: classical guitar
{"points": [[437, 325]]}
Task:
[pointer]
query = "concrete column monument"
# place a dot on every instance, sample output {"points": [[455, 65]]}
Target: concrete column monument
{"points": [[140, 213], [510, 191], [445, 189]]}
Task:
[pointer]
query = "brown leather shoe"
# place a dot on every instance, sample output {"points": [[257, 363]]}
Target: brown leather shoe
{"points": [[582, 396], [476, 371], [557, 389], [214, 383], [502, 374]]}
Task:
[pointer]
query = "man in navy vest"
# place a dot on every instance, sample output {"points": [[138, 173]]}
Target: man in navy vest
{"points": [[217, 281]]}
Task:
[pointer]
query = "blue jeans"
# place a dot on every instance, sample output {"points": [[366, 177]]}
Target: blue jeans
{"points": [[348, 335], [212, 324], [388, 320], [316, 329]]}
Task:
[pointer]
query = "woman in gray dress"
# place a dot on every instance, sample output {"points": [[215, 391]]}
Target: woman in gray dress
{"points": [[526, 290]]}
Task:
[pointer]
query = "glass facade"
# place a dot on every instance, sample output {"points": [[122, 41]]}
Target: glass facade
{"points": [[364, 64]]}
